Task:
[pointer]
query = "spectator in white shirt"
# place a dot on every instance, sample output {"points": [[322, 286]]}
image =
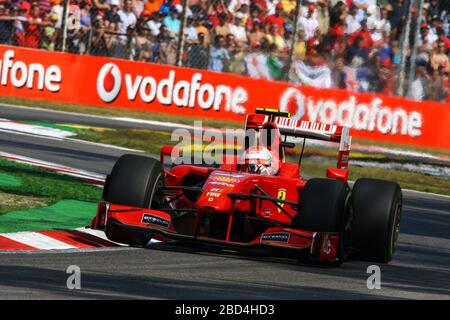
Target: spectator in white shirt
{"points": [[351, 22], [383, 24], [57, 9], [309, 23], [427, 39], [190, 31], [237, 29], [271, 6], [154, 24], [234, 5], [127, 16], [362, 6]]}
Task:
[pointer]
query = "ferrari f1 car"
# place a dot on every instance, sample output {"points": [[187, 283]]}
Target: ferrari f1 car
{"points": [[262, 202]]}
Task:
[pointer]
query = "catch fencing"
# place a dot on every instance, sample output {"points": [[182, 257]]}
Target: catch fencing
{"points": [[224, 42]]}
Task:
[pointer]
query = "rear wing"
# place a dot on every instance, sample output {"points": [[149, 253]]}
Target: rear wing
{"points": [[304, 129]]}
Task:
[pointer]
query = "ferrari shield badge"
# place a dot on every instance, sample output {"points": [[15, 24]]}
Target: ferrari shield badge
{"points": [[281, 196]]}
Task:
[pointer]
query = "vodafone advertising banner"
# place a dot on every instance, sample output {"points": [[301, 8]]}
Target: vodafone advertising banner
{"points": [[112, 83]]}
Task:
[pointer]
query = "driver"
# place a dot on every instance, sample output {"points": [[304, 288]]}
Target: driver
{"points": [[259, 160]]}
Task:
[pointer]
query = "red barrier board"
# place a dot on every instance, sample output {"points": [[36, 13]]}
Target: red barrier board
{"points": [[105, 82]]}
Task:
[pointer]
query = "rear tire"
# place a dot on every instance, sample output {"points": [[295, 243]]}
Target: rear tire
{"points": [[134, 181], [324, 207], [377, 206]]}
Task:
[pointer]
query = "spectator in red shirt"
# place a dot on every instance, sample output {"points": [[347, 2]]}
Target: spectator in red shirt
{"points": [[33, 27], [276, 19], [364, 34], [443, 38], [25, 6], [261, 4]]}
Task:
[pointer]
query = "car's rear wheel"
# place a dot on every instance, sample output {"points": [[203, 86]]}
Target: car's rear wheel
{"points": [[134, 181], [324, 207], [377, 206]]}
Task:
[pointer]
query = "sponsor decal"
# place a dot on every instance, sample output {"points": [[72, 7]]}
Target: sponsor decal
{"points": [[213, 194], [234, 175], [32, 76], [109, 82], [282, 196], [225, 179], [170, 91], [372, 116], [315, 127], [151, 219], [219, 183], [276, 236]]}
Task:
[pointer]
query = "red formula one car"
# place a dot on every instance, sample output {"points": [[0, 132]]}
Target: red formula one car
{"points": [[258, 202]]}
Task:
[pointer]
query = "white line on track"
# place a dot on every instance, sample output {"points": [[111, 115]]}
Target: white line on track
{"points": [[168, 125], [109, 146], [15, 126]]}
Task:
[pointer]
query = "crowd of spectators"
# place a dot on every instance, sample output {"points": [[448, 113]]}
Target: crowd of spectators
{"points": [[348, 44]]}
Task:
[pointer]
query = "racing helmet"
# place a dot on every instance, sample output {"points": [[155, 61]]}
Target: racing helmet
{"points": [[259, 160]]}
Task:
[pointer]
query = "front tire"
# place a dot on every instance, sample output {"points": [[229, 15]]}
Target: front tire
{"points": [[134, 181], [377, 206]]}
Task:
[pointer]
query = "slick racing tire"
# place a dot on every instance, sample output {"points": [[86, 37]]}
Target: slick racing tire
{"points": [[134, 181], [324, 207], [377, 206]]}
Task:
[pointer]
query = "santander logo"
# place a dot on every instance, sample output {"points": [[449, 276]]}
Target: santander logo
{"points": [[109, 82]]}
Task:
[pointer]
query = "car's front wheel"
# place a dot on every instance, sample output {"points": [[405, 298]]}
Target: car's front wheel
{"points": [[134, 181]]}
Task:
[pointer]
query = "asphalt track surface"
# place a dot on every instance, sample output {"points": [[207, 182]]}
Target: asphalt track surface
{"points": [[420, 269], [16, 113]]}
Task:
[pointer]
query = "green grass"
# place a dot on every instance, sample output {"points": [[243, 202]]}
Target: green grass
{"points": [[407, 180], [65, 214], [436, 152], [140, 139], [40, 187]]}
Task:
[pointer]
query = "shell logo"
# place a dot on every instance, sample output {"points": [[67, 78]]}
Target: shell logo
{"points": [[225, 179]]}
